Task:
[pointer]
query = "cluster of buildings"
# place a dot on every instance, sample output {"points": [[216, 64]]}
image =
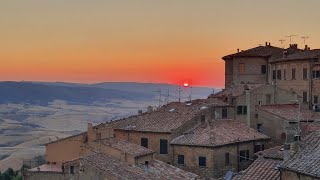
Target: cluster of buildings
{"points": [[264, 125]]}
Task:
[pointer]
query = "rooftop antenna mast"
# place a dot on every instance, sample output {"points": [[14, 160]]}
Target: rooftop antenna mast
{"points": [[281, 42], [304, 39], [159, 91], [290, 37]]}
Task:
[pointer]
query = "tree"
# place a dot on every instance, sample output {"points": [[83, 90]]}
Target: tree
{"points": [[10, 172], [6, 176]]}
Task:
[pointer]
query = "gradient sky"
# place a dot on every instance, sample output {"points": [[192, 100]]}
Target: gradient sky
{"points": [[167, 41]]}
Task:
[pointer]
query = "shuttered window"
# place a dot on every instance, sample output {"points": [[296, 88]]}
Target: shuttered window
{"points": [[202, 161], [144, 142], [241, 68], [163, 146]]}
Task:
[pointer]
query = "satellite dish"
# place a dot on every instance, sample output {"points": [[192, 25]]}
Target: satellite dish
{"points": [[228, 175]]}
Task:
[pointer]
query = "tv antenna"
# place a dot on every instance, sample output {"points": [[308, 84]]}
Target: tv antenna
{"points": [[281, 42], [159, 91], [290, 37], [304, 39]]}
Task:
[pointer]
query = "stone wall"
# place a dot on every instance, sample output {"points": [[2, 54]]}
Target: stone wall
{"points": [[259, 96], [66, 149], [215, 158], [289, 175], [153, 141], [252, 70]]}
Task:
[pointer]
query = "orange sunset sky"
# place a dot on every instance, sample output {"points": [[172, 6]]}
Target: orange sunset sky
{"points": [[162, 41]]}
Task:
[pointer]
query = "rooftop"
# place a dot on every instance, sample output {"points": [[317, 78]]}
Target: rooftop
{"points": [[262, 169], [298, 55], [290, 112], [219, 133], [125, 146], [260, 51], [48, 168], [272, 153], [307, 160], [167, 118], [156, 169], [235, 90]]}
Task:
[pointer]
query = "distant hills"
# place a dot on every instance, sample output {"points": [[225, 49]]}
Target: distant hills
{"points": [[42, 93]]}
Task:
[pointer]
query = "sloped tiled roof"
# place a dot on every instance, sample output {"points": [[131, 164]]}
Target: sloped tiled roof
{"points": [[260, 51], [167, 118], [272, 153], [299, 55], [260, 169], [157, 170], [236, 90], [219, 133], [307, 160], [125, 146], [290, 112]]}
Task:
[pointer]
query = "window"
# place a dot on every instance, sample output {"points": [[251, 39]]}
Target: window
{"points": [[259, 127], [263, 69], [144, 142], [293, 73], [258, 148], [241, 68], [244, 156], [71, 169], [202, 161], [305, 73], [315, 99], [98, 135], [284, 74], [305, 96], [279, 74], [274, 74], [224, 112], [241, 109], [203, 118], [268, 99], [180, 159], [316, 74], [227, 158], [163, 146]]}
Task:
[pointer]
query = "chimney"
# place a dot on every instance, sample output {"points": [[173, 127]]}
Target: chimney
{"points": [[146, 166], [149, 109], [91, 134], [238, 50], [266, 43], [269, 44], [294, 46], [139, 112], [286, 152], [284, 54]]}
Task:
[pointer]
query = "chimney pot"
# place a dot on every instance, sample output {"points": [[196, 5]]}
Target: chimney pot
{"points": [[238, 50], [266, 43]]}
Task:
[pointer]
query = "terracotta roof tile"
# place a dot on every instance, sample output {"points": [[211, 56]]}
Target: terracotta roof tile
{"points": [[235, 91], [126, 146], [299, 55], [262, 169], [167, 118], [272, 153], [260, 51], [157, 170], [218, 133], [290, 112], [307, 160]]}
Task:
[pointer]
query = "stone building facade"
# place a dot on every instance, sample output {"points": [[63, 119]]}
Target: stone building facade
{"points": [[218, 146], [292, 69]]}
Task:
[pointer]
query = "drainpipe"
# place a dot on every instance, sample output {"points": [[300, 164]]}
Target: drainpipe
{"points": [[248, 107], [310, 83]]}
